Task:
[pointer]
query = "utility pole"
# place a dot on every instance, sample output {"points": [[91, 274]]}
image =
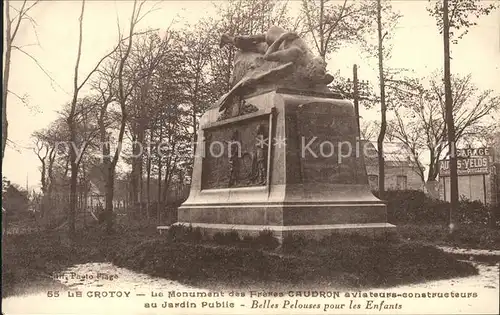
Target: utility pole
{"points": [[450, 124], [356, 96]]}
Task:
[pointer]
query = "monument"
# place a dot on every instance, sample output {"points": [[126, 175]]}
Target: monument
{"points": [[280, 151]]}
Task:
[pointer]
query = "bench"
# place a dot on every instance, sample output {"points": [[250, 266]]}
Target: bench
{"points": [[160, 228]]}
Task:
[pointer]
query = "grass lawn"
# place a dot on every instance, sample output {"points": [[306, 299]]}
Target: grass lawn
{"points": [[465, 236], [337, 261]]}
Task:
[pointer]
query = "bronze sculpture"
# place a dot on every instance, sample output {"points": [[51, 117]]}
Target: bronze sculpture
{"points": [[277, 57]]}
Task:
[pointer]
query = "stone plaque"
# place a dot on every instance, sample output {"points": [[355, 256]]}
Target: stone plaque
{"points": [[236, 154], [327, 146]]}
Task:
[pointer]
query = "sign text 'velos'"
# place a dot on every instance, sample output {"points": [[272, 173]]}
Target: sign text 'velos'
{"points": [[466, 166]]}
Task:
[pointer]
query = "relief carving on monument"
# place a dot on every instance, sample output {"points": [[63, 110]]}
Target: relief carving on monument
{"points": [[329, 137], [239, 156], [240, 107]]}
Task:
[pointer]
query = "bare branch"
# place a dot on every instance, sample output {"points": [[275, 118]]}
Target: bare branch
{"points": [[33, 26], [152, 9], [47, 74], [22, 99], [19, 18], [334, 25], [76, 88], [310, 22], [105, 57]]}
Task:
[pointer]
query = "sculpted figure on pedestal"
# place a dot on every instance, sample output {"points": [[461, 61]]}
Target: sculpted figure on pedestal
{"points": [[277, 58]]}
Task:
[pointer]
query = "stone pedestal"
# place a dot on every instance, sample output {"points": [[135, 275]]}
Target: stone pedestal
{"points": [[310, 180]]}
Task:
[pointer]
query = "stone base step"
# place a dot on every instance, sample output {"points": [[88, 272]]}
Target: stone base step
{"points": [[280, 232]]}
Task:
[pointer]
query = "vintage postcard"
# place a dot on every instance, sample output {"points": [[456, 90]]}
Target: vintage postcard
{"points": [[251, 156]]}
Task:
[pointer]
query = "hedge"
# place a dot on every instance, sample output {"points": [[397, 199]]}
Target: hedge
{"points": [[415, 207]]}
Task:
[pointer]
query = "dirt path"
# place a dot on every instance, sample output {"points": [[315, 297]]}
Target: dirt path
{"points": [[107, 289]]}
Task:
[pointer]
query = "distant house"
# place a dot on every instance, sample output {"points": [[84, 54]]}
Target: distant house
{"points": [[400, 169], [15, 202], [96, 194], [96, 198]]}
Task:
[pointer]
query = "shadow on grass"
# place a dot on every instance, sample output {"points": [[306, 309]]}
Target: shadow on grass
{"points": [[464, 236], [29, 261], [337, 261], [346, 260]]}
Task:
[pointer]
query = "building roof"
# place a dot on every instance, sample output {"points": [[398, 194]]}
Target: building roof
{"points": [[395, 153], [98, 183]]}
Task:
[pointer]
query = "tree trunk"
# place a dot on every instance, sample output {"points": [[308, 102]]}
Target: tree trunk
{"points": [[450, 124], [80, 201], [383, 109], [148, 178], [110, 177], [160, 203], [321, 29], [71, 125], [84, 196], [122, 99], [137, 168], [134, 178], [106, 161], [168, 176], [140, 171], [72, 196], [6, 75], [50, 186], [43, 181], [195, 123], [356, 97]]}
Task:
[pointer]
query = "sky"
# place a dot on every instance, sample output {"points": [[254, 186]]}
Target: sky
{"points": [[417, 46]]}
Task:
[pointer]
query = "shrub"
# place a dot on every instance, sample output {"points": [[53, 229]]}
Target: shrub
{"points": [[227, 238], [415, 207], [412, 206], [354, 260], [266, 240], [295, 243], [181, 233], [473, 212]]}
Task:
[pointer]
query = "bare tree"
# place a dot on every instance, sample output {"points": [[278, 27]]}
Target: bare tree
{"points": [[420, 118], [147, 54], [493, 139], [462, 14], [369, 129], [239, 17], [450, 17], [197, 48], [104, 85], [383, 106], [386, 20], [71, 121], [77, 86], [333, 23], [123, 93], [41, 149], [12, 25]]}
